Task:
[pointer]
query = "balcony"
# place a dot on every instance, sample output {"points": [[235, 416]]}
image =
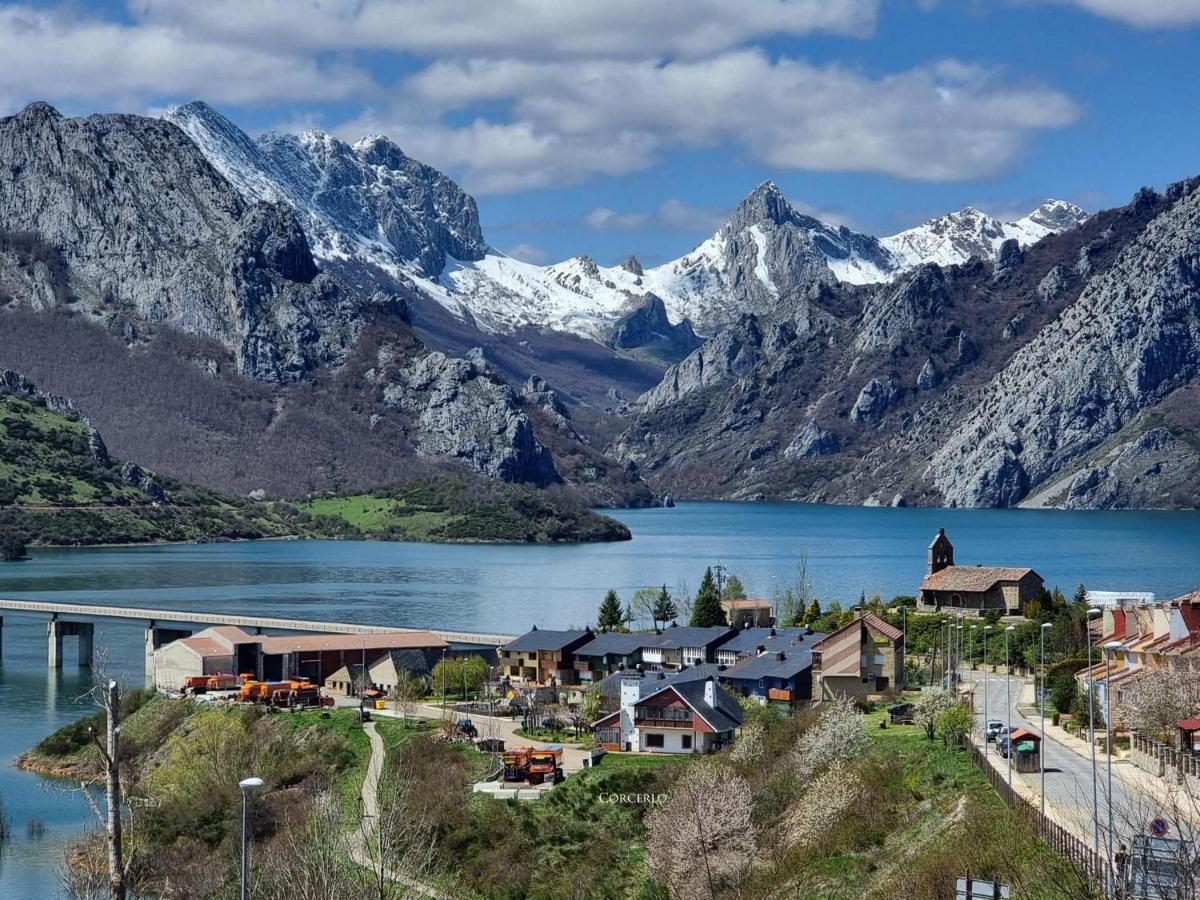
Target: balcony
{"points": [[663, 718], [780, 694]]}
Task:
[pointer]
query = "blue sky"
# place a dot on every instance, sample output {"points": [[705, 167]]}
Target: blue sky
{"points": [[633, 126]]}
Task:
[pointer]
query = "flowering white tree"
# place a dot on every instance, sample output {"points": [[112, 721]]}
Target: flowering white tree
{"points": [[703, 838], [929, 708], [836, 738], [1155, 701]]}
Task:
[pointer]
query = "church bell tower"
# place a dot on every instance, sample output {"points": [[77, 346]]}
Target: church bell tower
{"points": [[941, 552]]}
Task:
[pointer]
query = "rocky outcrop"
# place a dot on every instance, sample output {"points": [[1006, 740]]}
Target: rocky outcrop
{"points": [[1143, 472], [929, 376], [732, 353], [812, 441], [648, 327], [876, 397], [462, 413], [134, 475]]}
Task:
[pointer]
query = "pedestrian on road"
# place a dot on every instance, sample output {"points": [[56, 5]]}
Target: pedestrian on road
{"points": [[1121, 859]]}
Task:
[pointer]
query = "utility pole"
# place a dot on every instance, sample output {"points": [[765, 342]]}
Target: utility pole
{"points": [[720, 571]]}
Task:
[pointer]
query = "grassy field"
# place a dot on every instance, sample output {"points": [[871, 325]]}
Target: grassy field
{"points": [[465, 511]]}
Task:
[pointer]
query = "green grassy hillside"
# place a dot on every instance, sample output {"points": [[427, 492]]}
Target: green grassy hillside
{"points": [[463, 510], [58, 486]]}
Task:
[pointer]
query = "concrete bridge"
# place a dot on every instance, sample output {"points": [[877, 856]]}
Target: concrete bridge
{"points": [[77, 620]]}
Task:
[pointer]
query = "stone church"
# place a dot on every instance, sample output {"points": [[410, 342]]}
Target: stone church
{"points": [[973, 590]]}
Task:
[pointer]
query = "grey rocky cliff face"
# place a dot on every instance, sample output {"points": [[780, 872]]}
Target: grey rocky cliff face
{"points": [[150, 229], [904, 373], [1131, 338], [463, 413]]}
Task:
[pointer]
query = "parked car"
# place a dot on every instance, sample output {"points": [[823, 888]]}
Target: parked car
{"points": [[1003, 743], [994, 727]]}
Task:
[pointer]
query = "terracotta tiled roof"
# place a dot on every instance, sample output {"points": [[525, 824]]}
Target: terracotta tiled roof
{"points": [[746, 603], [385, 640], [888, 631], [204, 647], [970, 578]]}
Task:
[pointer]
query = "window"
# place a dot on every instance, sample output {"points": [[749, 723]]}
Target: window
{"points": [[685, 741], [654, 740]]}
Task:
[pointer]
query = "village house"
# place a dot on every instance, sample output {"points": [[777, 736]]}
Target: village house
{"points": [[747, 612], [862, 658], [230, 650], [383, 672], [752, 641], [781, 679], [542, 656], [681, 716], [606, 653], [973, 590], [683, 645]]}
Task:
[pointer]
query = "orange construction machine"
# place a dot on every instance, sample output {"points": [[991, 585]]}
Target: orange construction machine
{"points": [[202, 684]]}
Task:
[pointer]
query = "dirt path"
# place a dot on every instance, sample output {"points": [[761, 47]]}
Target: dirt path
{"points": [[358, 839]]}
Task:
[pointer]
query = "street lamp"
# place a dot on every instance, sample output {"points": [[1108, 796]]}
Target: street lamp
{"points": [[959, 657], [971, 646], [1108, 725], [904, 641], [1008, 699], [1091, 702], [246, 785], [986, 631], [1042, 705]]}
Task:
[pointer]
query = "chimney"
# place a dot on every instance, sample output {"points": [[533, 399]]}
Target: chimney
{"points": [[710, 691], [772, 631], [780, 656]]}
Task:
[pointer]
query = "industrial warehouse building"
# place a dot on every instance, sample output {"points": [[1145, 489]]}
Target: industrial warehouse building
{"points": [[226, 649]]}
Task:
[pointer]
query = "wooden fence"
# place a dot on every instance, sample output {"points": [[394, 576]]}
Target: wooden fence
{"points": [[1064, 842]]}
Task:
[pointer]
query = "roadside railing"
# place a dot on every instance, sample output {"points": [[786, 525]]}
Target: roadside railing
{"points": [[1061, 840]]}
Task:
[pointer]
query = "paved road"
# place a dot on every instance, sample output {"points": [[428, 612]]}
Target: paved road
{"points": [[1068, 774]]}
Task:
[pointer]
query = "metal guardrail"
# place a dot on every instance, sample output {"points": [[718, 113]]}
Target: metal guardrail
{"points": [[88, 610]]}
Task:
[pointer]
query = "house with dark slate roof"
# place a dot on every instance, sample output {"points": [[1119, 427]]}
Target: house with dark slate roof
{"points": [[607, 652], [542, 656], [782, 679], [683, 645], [753, 641], [670, 715]]}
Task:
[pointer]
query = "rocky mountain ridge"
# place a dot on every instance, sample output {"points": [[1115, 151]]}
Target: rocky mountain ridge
{"points": [[1063, 374], [370, 205], [121, 222]]}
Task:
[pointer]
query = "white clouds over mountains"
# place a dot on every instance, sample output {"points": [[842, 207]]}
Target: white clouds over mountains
{"points": [[524, 94]]}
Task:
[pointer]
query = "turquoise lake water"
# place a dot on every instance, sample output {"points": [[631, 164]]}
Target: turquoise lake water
{"points": [[508, 588]]}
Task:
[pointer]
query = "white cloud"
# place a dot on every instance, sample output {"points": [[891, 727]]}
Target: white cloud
{"points": [[1144, 13], [671, 215], [942, 122], [540, 29], [530, 253], [53, 55]]}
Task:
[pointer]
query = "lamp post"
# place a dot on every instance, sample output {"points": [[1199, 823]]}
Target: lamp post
{"points": [[1108, 726], [443, 678], [1008, 700], [1091, 702], [961, 632], [986, 630], [246, 785], [971, 647], [1042, 706], [904, 641]]}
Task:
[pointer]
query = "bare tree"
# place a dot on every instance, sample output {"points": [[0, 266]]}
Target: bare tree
{"points": [[407, 694]]}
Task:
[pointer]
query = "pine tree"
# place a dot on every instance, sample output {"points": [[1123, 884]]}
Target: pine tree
{"points": [[707, 611], [664, 608], [611, 614]]}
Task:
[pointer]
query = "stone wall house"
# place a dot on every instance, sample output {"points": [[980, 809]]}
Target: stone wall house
{"points": [[973, 590], [862, 658]]}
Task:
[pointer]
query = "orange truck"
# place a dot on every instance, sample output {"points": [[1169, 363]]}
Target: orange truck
{"points": [[545, 764], [200, 684], [516, 763]]}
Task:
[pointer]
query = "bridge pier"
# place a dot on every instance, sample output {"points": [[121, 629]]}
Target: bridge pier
{"points": [[156, 637], [85, 634]]}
